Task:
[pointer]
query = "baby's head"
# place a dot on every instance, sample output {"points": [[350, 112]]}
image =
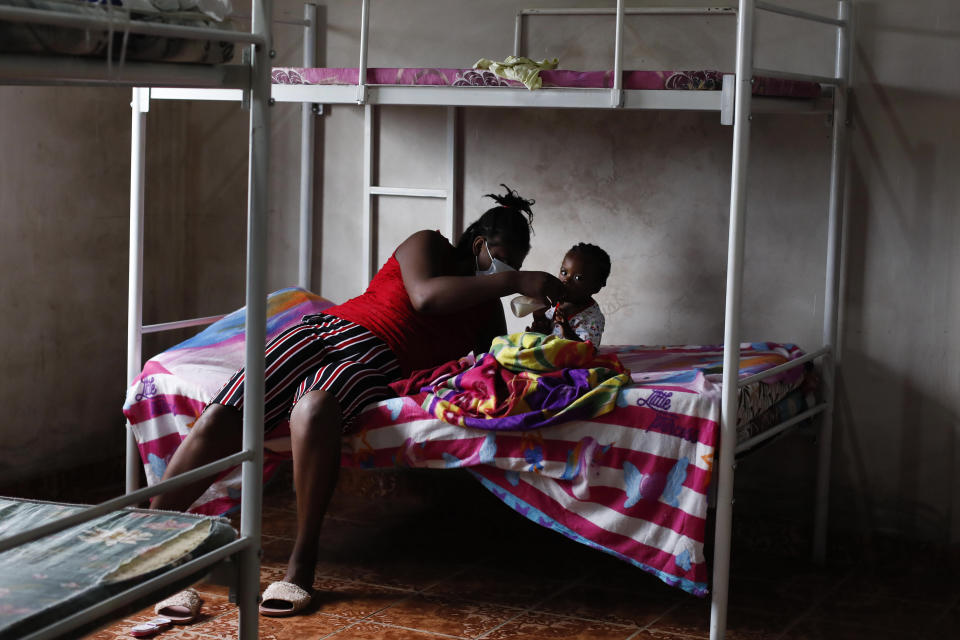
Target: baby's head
{"points": [[584, 271]]}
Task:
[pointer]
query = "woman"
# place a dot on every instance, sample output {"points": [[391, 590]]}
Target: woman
{"points": [[430, 302]]}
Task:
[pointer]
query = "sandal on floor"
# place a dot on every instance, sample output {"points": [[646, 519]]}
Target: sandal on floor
{"points": [[151, 628], [180, 608], [283, 599]]}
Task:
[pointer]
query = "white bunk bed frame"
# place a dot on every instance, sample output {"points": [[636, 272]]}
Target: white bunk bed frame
{"points": [[735, 104], [238, 561]]}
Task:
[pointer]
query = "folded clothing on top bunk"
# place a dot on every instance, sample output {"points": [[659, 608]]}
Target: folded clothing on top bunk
{"points": [[43, 581], [23, 37], [673, 80], [631, 482]]}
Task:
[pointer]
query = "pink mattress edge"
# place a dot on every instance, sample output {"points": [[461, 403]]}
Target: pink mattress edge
{"points": [[634, 80]]}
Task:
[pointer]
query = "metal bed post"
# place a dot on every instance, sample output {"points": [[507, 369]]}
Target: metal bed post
{"points": [[369, 254], [307, 114], [832, 296], [362, 67], [256, 302], [369, 251], [724, 467], [453, 194], [139, 105], [616, 94]]}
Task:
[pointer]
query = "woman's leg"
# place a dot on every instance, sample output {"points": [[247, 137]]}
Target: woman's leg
{"points": [[315, 434], [216, 434]]}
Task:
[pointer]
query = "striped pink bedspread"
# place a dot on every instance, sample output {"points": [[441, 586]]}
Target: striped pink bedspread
{"points": [[419, 76], [632, 482]]}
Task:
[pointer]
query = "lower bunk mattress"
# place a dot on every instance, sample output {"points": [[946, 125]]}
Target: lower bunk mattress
{"points": [[632, 481], [45, 580]]}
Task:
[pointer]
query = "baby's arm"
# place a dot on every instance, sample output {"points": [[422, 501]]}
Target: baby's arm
{"points": [[560, 320]]}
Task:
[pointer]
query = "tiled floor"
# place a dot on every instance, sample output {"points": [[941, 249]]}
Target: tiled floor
{"points": [[468, 568]]}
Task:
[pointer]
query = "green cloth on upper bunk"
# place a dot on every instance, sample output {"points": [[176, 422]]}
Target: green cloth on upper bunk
{"points": [[520, 69]]}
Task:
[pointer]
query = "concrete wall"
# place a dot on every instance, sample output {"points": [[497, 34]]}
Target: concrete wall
{"points": [[651, 188]]}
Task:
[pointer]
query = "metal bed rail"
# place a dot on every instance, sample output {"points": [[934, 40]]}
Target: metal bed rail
{"points": [[786, 366], [725, 463], [124, 501]]}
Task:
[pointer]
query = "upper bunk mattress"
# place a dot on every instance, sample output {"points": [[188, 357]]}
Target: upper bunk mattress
{"points": [[632, 80], [111, 40]]}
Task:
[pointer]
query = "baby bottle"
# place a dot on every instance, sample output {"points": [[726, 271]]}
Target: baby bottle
{"points": [[523, 305]]}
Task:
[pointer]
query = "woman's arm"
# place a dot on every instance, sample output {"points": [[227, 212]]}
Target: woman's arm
{"points": [[496, 327], [428, 263]]}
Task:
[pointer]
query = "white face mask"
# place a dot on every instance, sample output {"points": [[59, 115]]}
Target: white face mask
{"points": [[496, 265]]}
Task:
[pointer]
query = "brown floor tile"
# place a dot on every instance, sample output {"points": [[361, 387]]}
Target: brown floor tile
{"points": [[538, 626], [830, 630], [634, 607], [400, 572], [449, 617], [648, 634], [933, 585], [373, 631], [693, 619], [352, 599], [305, 627], [869, 611], [498, 585], [395, 569]]}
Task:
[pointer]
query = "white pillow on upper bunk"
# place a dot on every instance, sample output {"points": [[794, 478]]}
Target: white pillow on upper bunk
{"points": [[216, 9]]}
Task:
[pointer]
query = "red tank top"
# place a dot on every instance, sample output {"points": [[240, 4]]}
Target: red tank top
{"points": [[418, 340]]}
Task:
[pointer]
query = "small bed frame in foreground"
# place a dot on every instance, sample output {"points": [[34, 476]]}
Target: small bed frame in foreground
{"points": [[252, 79], [735, 104]]}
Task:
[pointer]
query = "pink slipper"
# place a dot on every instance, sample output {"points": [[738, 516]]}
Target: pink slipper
{"points": [[151, 627], [282, 599]]}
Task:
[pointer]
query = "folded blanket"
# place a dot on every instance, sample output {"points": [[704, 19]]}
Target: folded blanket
{"points": [[422, 378], [520, 69], [527, 381]]}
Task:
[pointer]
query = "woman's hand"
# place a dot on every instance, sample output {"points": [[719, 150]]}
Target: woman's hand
{"points": [[539, 284]]}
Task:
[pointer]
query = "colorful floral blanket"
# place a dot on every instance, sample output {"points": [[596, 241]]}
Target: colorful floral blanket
{"points": [[631, 482], [528, 381]]}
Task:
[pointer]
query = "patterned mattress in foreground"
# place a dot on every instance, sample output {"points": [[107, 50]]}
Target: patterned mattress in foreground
{"points": [[50, 578]]}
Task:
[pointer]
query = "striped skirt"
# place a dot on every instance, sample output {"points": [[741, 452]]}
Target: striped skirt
{"points": [[322, 353]]}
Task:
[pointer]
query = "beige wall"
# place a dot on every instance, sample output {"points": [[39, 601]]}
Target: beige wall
{"points": [[651, 188]]}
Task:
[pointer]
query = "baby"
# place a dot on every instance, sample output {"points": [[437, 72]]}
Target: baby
{"points": [[584, 272]]}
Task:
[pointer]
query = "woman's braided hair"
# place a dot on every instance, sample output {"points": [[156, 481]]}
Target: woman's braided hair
{"points": [[510, 222]]}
